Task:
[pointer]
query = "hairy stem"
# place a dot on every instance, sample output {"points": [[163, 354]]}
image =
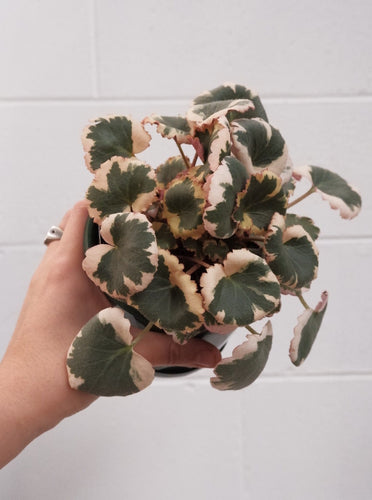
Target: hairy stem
{"points": [[302, 197]]}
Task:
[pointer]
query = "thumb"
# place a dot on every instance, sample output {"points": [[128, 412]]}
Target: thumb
{"points": [[161, 350]]}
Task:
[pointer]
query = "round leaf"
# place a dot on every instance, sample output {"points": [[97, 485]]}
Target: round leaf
{"points": [[113, 136], [241, 290], [171, 127], [101, 359], [169, 170], [127, 262]]}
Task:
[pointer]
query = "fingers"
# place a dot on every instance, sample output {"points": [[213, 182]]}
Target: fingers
{"points": [[161, 350]]}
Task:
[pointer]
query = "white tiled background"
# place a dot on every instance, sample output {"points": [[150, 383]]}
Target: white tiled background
{"points": [[296, 433]]}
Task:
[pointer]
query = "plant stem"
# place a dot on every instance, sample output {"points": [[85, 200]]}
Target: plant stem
{"points": [[302, 300], [195, 159], [252, 330], [143, 333], [196, 261], [192, 269], [186, 161], [302, 197]]}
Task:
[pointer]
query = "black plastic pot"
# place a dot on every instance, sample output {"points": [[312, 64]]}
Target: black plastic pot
{"points": [[92, 238]]}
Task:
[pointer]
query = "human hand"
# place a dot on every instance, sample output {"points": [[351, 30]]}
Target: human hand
{"points": [[34, 390]]}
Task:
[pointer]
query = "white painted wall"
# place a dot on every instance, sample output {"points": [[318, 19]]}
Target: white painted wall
{"points": [[296, 433]]}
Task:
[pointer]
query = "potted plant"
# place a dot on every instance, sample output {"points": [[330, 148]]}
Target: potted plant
{"points": [[201, 243]]}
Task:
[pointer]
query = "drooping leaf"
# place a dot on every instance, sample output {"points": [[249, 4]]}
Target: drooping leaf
{"points": [[171, 127], [224, 184], [291, 254], [258, 145], [246, 363], [241, 290], [169, 170], [113, 136], [171, 300], [126, 263], [229, 100], [257, 204], [121, 185], [305, 222], [333, 188], [183, 208], [101, 359], [306, 331]]}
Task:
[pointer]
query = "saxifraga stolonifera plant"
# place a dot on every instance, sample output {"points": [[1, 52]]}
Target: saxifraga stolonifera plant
{"points": [[208, 242]]}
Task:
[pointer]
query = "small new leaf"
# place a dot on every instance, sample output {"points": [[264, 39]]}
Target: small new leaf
{"points": [[306, 331], [171, 127], [246, 364], [101, 359]]}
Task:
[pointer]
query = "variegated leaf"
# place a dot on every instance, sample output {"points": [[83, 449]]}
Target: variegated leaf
{"points": [[213, 143], [306, 331], [258, 145], [305, 222], [113, 136], [257, 204], [241, 290], [171, 300], [171, 127], [228, 99], [246, 363], [169, 170], [101, 359], [223, 186], [164, 237], [333, 188], [215, 249], [126, 263], [291, 254], [121, 185], [183, 208]]}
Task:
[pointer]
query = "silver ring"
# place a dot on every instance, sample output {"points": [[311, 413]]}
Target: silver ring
{"points": [[54, 233]]}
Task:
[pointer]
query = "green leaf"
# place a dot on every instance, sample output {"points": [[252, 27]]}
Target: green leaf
{"points": [[126, 263], [215, 249], [169, 170], [229, 99], [113, 136], [101, 359], [164, 237], [121, 185], [259, 145], [213, 143], [171, 127], [291, 254], [241, 290], [224, 184], [262, 197], [183, 208], [306, 330], [305, 222], [246, 364], [333, 188], [171, 300]]}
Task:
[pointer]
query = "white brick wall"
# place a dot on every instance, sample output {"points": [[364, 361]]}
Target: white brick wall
{"points": [[295, 434]]}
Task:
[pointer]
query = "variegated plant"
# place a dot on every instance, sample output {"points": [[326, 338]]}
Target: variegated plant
{"points": [[207, 243]]}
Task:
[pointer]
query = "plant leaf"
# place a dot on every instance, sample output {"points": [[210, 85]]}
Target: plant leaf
{"points": [[171, 300], [101, 359], [306, 331], [121, 185], [241, 290], [305, 222], [333, 188], [126, 263], [183, 208], [171, 127], [227, 99], [164, 237], [291, 254], [257, 204], [169, 170], [213, 143], [246, 364], [258, 145], [113, 136], [224, 184]]}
